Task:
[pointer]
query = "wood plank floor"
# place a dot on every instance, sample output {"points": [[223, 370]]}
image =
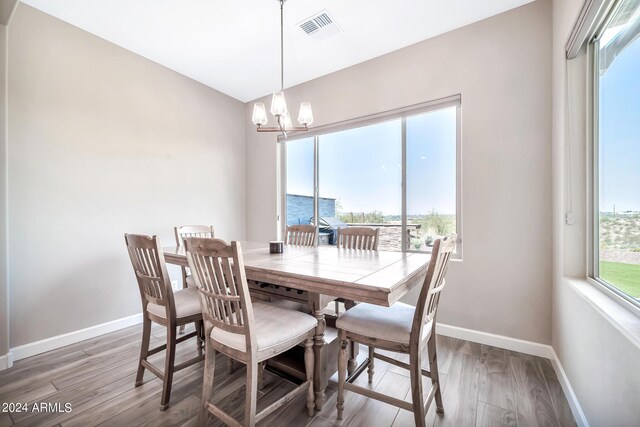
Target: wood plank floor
{"points": [[482, 386]]}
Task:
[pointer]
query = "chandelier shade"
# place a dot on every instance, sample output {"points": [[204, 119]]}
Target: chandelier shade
{"points": [[305, 116], [278, 104], [259, 116], [287, 121]]}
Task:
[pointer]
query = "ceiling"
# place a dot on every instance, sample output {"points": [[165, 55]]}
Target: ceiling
{"points": [[234, 46]]}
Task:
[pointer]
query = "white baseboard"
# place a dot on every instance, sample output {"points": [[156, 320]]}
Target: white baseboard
{"points": [[53, 343], [6, 361], [576, 409], [522, 346], [514, 344]]}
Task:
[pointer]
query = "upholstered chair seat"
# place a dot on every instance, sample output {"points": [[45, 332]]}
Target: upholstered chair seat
{"points": [[187, 304], [275, 327], [385, 323]]}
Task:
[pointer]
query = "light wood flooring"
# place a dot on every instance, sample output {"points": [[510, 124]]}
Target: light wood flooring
{"points": [[482, 386]]}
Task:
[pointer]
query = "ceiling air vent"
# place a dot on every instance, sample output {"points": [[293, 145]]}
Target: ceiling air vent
{"points": [[320, 26]]}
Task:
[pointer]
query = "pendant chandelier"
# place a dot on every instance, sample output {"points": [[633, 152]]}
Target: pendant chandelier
{"points": [[278, 103]]}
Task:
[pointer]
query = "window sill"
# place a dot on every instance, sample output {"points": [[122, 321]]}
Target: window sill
{"points": [[625, 318]]}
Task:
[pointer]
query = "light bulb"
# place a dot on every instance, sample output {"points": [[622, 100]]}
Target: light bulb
{"points": [[278, 104], [259, 117], [305, 116], [287, 121]]}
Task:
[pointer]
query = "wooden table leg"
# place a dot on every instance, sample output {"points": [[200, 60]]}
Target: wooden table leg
{"points": [[318, 344]]}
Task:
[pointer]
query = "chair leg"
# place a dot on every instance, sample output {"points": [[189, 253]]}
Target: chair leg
{"points": [[199, 336], [417, 396], [184, 286], [352, 364], [251, 395], [353, 346], [261, 375], [207, 383], [144, 349], [371, 368], [230, 365], [308, 366], [435, 374], [168, 366], [342, 370]]}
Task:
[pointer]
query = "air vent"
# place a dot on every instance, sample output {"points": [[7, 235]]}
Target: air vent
{"points": [[320, 26]]}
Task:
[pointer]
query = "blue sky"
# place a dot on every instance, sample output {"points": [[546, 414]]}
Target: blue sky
{"points": [[620, 132], [362, 167]]}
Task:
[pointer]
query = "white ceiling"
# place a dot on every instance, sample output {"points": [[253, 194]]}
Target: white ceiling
{"points": [[233, 46]]}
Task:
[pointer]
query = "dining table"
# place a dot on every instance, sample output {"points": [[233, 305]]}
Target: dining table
{"points": [[313, 277]]}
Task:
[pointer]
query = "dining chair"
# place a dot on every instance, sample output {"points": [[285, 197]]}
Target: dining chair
{"points": [[182, 232], [164, 307], [297, 235], [365, 238], [399, 328], [301, 235], [185, 231], [239, 328], [358, 238]]}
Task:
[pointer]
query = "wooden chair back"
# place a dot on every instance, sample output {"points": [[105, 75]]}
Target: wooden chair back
{"points": [[218, 270], [301, 235], [432, 286], [151, 273], [358, 238], [185, 231]]}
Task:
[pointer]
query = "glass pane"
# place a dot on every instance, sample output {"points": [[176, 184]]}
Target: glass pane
{"points": [[431, 177], [360, 178], [299, 181], [619, 151]]}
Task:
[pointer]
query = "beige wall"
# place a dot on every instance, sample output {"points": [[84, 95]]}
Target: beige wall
{"points": [[502, 68], [103, 142], [596, 340], [4, 284], [6, 9]]}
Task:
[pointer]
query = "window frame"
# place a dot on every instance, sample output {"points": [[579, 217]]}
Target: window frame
{"points": [[399, 113], [593, 169]]}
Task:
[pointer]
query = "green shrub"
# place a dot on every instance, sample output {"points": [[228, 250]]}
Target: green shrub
{"points": [[439, 223], [416, 243], [428, 240]]}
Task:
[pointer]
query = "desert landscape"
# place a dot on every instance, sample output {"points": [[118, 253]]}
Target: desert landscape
{"points": [[620, 250]]}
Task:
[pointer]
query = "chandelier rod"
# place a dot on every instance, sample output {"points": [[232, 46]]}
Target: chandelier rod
{"points": [[282, 45]]}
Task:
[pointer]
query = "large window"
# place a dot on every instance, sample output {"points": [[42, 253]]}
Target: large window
{"points": [[616, 261], [361, 169], [397, 171]]}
